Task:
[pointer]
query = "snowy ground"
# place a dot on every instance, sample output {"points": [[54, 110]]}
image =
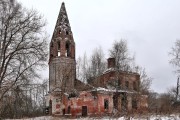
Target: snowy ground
{"points": [[153, 117]]}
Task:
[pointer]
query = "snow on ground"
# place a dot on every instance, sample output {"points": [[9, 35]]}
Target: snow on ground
{"points": [[35, 118], [152, 117]]}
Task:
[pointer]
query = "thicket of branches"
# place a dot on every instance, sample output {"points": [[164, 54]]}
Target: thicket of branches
{"points": [[90, 67], [169, 101], [23, 52], [25, 101]]}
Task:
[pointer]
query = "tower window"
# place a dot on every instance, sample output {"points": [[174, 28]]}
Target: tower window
{"points": [[67, 33], [134, 104], [59, 31], [127, 84], [106, 104], [69, 110], [59, 53], [59, 46], [119, 83], [67, 49], [134, 85]]}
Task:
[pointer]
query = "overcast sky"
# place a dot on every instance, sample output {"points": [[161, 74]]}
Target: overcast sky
{"points": [[150, 27]]}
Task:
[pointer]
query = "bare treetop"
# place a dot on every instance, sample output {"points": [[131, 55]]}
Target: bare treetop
{"points": [[23, 43]]}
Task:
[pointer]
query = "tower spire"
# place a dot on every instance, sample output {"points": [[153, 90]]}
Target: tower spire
{"points": [[62, 23], [62, 42], [62, 63]]}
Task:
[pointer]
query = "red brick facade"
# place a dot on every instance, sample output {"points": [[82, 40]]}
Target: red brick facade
{"points": [[62, 64], [112, 92]]}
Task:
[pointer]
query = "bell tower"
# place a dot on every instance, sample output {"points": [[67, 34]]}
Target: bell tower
{"points": [[62, 64]]}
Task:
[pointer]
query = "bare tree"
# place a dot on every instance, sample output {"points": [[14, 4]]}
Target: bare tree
{"points": [[165, 103], [97, 64], [153, 102], [24, 101], [23, 45], [145, 80], [174, 92], [175, 56], [82, 68], [78, 67], [120, 52]]}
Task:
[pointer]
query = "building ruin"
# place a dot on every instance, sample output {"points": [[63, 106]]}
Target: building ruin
{"points": [[112, 92]]}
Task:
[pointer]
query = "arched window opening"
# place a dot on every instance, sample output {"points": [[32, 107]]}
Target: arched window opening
{"points": [[119, 83], [59, 46], [124, 101], [67, 33], [67, 49], [50, 106], [69, 110], [127, 84], [106, 104], [134, 85], [59, 53], [134, 104], [59, 31], [64, 111]]}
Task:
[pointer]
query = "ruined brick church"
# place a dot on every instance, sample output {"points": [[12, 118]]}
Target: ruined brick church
{"points": [[69, 96]]}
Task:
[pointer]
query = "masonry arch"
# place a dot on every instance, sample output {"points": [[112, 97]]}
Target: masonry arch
{"points": [[68, 47]]}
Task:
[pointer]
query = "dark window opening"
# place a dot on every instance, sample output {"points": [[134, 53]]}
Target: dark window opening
{"points": [[50, 106], [134, 86], [134, 104], [67, 33], [106, 104], [127, 84], [59, 31], [115, 101], [123, 102], [69, 110], [72, 95], [57, 100], [67, 49], [84, 111], [64, 111], [58, 44], [119, 84]]}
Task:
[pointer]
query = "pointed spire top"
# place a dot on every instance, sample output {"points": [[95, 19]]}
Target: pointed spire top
{"points": [[63, 21], [62, 26]]}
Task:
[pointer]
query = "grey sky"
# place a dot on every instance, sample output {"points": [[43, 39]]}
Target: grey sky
{"points": [[149, 26]]}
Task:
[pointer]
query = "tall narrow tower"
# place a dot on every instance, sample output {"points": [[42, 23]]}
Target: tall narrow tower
{"points": [[62, 67]]}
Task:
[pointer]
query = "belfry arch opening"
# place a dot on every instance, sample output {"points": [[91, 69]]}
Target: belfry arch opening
{"points": [[67, 33], [68, 49], [58, 47]]}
